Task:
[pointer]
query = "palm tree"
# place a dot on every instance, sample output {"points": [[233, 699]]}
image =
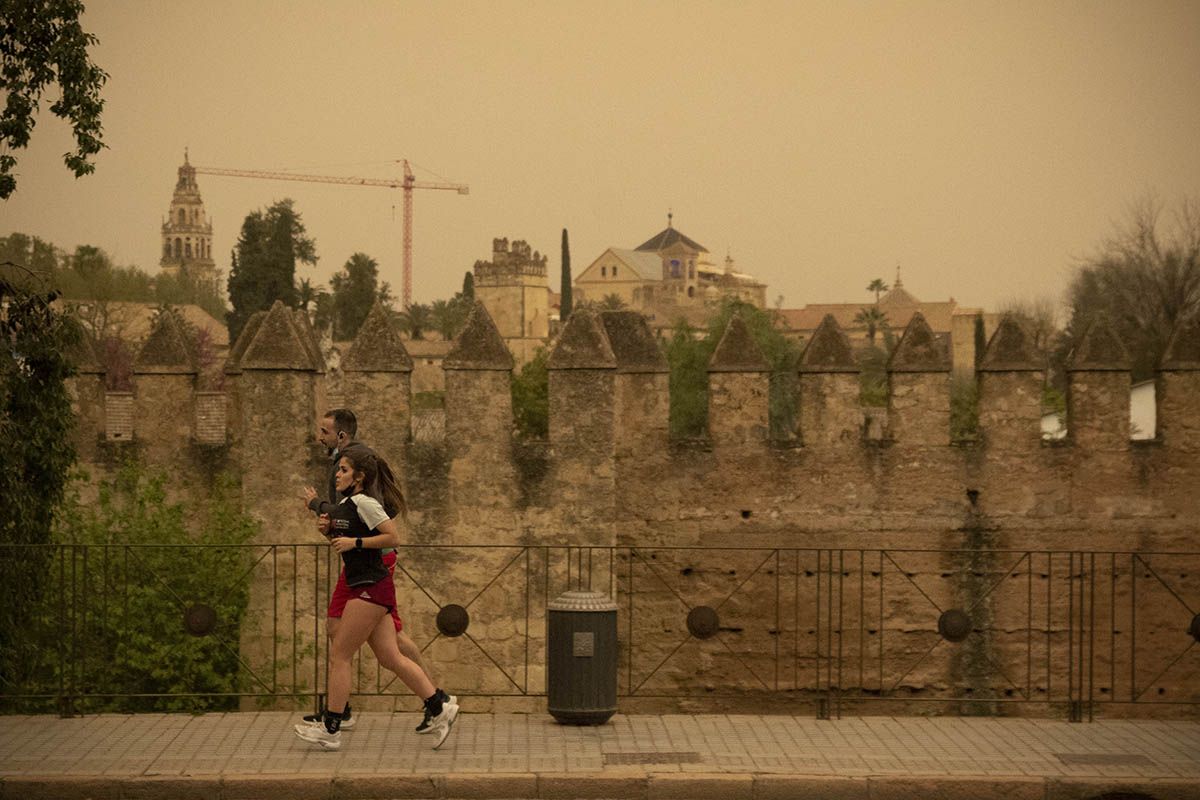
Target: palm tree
{"points": [[447, 316], [416, 319], [873, 319], [612, 302], [878, 287], [306, 293]]}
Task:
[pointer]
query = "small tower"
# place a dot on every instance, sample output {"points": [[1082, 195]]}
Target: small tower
{"points": [[187, 233]]}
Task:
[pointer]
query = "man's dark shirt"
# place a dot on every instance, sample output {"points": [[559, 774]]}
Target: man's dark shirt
{"points": [[319, 506]]}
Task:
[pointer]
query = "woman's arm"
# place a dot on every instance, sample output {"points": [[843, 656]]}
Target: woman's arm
{"points": [[386, 535]]}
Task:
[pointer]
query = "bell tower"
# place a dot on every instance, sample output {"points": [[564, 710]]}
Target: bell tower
{"points": [[187, 233]]}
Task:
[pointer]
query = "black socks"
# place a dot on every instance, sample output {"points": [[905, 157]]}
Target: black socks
{"points": [[433, 703], [333, 720]]}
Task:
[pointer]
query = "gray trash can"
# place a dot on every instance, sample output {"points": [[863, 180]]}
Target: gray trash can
{"points": [[581, 658]]}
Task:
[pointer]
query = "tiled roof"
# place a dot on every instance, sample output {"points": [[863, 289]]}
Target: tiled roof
{"points": [[667, 237], [646, 266], [938, 315]]}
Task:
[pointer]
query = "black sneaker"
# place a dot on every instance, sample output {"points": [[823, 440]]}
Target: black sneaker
{"points": [[424, 726]]}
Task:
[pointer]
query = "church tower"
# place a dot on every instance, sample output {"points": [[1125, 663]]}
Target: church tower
{"points": [[187, 233]]}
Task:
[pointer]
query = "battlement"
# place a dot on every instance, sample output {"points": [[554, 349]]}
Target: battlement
{"points": [[509, 262], [610, 460]]}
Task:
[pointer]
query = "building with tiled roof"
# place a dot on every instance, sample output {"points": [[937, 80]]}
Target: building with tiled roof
{"points": [[946, 318], [665, 276]]}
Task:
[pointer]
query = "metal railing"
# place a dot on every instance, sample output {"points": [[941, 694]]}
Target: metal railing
{"points": [[806, 630]]}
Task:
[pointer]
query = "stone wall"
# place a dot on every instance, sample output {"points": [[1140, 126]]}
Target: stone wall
{"points": [[836, 533]]}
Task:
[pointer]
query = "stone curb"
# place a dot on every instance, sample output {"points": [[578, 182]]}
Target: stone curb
{"points": [[632, 785]]}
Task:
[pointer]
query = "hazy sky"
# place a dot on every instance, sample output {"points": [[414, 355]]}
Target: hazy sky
{"points": [[982, 146]]}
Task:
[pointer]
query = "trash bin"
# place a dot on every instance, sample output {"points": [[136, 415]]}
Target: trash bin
{"points": [[581, 658]]}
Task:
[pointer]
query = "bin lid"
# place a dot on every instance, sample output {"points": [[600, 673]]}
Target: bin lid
{"points": [[581, 601]]}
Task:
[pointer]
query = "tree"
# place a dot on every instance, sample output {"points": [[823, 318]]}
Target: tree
{"points": [[611, 302], [354, 289], [448, 317], [565, 303], [1145, 278], [416, 319], [531, 397], [306, 294], [468, 290], [872, 319], [264, 262], [42, 44], [878, 287]]}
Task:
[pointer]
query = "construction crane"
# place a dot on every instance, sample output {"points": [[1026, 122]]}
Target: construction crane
{"points": [[407, 183]]}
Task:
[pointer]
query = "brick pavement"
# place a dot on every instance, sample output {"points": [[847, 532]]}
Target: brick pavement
{"points": [[256, 755]]}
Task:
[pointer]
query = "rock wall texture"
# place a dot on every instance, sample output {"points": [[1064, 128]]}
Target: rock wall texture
{"points": [[831, 567]]}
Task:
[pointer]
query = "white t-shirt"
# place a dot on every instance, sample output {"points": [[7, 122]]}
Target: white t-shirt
{"points": [[369, 510]]}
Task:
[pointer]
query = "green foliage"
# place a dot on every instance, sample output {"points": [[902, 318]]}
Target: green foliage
{"points": [[35, 423], [449, 316], [264, 260], [416, 319], [44, 45], [128, 566], [688, 357], [531, 398], [427, 401], [355, 289], [872, 375], [564, 312], [873, 320], [964, 409], [878, 287], [468, 289]]}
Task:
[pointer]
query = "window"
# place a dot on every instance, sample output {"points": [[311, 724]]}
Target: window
{"points": [[614, 270], [692, 270], [691, 291], [182, 216], [604, 272], [675, 268]]}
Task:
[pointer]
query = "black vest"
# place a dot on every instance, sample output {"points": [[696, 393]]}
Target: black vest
{"points": [[365, 566]]}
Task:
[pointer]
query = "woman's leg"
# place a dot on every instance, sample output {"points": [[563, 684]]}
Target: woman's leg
{"points": [[387, 652], [358, 620]]}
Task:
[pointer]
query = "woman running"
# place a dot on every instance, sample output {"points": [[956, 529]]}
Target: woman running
{"points": [[359, 528]]}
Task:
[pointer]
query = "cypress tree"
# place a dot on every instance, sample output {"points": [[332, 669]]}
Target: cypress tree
{"points": [[565, 305], [468, 290]]}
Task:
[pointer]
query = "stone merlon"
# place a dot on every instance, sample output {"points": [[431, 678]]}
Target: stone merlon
{"points": [[919, 349], [737, 351], [378, 347], [166, 350], [278, 344], [828, 350], [1099, 350], [583, 344], [479, 346], [632, 343], [1011, 349]]}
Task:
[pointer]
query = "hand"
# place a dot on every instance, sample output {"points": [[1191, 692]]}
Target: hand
{"points": [[341, 544], [323, 525], [309, 495]]}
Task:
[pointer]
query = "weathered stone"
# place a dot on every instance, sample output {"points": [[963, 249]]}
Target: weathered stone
{"points": [[633, 345], [479, 346], [1100, 349], [249, 330], [277, 344], [378, 347], [1183, 351], [166, 350], [919, 349], [583, 344], [308, 337], [828, 350], [737, 351], [1011, 349]]}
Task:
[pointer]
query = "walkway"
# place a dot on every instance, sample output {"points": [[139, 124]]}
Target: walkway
{"points": [[256, 755]]}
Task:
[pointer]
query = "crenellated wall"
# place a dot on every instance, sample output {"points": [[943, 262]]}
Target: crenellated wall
{"points": [[610, 476]]}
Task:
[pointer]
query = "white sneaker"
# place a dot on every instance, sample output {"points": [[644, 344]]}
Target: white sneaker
{"points": [[440, 725], [317, 719], [425, 726], [319, 736]]}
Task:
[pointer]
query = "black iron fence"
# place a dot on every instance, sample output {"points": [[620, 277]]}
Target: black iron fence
{"points": [[824, 631]]}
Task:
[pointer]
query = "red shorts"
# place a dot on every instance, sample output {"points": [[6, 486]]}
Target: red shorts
{"points": [[382, 593]]}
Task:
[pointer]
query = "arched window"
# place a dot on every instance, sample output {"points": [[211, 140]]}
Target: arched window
{"points": [[614, 270], [691, 291], [187, 249], [178, 247], [182, 217], [674, 268], [692, 270], [604, 272]]}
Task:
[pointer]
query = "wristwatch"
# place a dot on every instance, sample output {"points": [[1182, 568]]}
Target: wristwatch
{"points": [[358, 543]]}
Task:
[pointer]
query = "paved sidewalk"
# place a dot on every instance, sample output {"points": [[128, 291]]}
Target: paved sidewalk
{"points": [[256, 755]]}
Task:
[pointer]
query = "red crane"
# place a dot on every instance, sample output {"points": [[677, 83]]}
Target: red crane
{"points": [[407, 183]]}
